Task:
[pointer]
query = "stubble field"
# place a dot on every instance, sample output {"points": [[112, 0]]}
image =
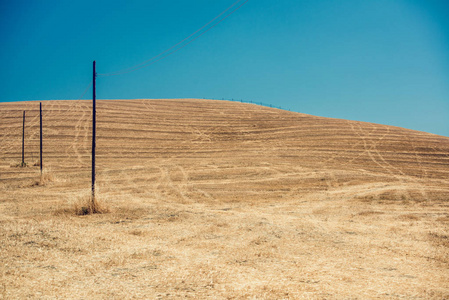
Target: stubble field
{"points": [[220, 200]]}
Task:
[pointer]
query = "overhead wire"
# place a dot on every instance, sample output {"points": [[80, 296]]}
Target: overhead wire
{"points": [[86, 90], [167, 52]]}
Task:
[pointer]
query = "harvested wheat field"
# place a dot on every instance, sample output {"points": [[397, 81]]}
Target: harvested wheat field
{"points": [[220, 200]]}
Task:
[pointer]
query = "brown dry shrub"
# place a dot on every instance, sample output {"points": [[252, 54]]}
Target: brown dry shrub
{"points": [[18, 164], [46, 177], [87, 205]]}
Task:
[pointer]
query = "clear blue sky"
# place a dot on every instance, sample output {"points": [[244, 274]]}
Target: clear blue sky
{"points": [[382, 61]]}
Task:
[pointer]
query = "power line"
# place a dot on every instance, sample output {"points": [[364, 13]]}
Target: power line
{"points": [[86, 90], [161, 55]]}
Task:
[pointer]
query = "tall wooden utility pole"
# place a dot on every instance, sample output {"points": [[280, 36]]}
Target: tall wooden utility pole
{"points": [[23, 141], [93, 136], [40, 117]]}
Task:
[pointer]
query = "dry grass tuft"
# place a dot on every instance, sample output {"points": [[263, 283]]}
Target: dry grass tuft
{"points": [[18, 165], [45, 178], [87, 205]]}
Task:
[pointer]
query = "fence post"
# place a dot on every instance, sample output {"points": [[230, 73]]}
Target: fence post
{"points": [[23, 140], [93, 134], [40, 117]]}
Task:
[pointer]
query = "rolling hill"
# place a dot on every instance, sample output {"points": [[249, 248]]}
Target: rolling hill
{"points": [[220, 199]]}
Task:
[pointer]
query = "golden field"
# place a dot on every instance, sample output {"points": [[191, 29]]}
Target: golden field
{"points": [[213, 199]]}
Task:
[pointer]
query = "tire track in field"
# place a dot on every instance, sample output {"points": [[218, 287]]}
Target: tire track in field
{"points": [[183, 185], [200, 135], [421, 166], [59, 116], [73, 148], [149, 106], [368, 150], [409, 177], [8, 134], [369, 189], [386, 166], [380, 155], [188, 188], [337, 154], [174, 182], [417, 157], [166, 186], [362, 141], [389, 167], [87, 131]]}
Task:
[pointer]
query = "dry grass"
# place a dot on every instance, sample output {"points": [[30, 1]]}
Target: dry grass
{"points": [[46, 177], [219, 200], [89, 205]]}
